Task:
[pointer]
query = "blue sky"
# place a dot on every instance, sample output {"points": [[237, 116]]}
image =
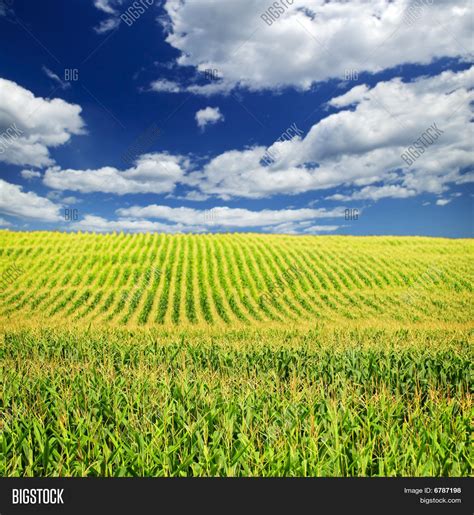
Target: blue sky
{"points": [[314, 109]]}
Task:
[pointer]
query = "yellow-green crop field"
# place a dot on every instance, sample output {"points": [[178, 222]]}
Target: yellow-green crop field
{"points": [[235, 354]]}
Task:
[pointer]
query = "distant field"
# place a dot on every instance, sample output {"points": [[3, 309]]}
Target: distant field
{"points": [[181, 280], [235, 355]]}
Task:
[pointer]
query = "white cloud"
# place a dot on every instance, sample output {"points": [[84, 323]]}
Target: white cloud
{"points": [[151, 173], [107, 25], [99, 224], [56, 196], [71, 200], [357, 149], [227, 217], [130, 11], [109, 7], [194, 196], [3, 222], [30, 174], [353, 96], [376, 193], [182, 220], [316, 229], [165, 86], [208, 116], [56, 78], [443, 201], [314, 40], [40, 124], [464, 179], [15, 202], [301, 228], [361, 146]]}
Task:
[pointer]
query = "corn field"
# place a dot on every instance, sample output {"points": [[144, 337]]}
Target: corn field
{"points": [[235, 355], [147, 280]]}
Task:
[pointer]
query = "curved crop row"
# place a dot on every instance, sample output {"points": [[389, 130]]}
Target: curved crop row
{"points": [[149, 279]]}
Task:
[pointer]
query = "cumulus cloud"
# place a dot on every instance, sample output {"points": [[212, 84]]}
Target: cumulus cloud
{"points": [[376, 193], [208, 116], [151, 173], [316, 229], [30, 125], [56, 196], [100, 224], [301, 228], [183, 220], [357, 150], [226, 216], [313, 40], [194, 196], [30, 174], [361, 145], [165, 86], [443, 201], [16, 202]]}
